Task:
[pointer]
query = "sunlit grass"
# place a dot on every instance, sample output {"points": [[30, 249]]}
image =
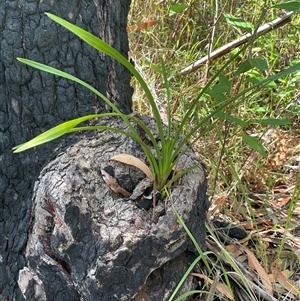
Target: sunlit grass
{"points": [[182, 38]]}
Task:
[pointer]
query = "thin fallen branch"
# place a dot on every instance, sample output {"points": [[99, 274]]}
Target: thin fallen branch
{"points": [[234, 44]]}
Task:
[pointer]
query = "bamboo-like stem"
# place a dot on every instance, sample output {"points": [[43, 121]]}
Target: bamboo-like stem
{"points": [[240, 41]]}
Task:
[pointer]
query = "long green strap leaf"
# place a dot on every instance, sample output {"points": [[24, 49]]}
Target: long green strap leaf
{"points": [[56, 132], [102, 46], [66, 75]]}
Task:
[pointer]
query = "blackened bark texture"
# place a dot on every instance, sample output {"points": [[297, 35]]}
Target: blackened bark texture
{"points": [[31, 102], [87, 242]]}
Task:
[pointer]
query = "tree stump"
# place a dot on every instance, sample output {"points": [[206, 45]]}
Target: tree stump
{"points": [[87, 242]]}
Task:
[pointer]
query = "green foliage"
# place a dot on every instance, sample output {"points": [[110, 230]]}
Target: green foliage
{"points": [[239, 23], [165, 158], [177, 8], [226, 137], [255, 144], [289, 6], [251, 63], [173, 144], [202, 256]]}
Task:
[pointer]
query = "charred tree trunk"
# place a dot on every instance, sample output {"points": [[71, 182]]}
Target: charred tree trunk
{"points": [[64, 235], [31, 101]]}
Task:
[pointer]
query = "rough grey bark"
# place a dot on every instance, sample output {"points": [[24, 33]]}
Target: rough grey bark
{"points": [[31, 101], [88, 242]]}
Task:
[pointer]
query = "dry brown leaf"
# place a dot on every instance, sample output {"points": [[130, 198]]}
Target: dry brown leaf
{"points": [[217, 203], [287, 274], [113, 184], [235, 250], [254, 263], [222, 288], [284, 201], [133, 161], [142, 26], [281, 279]]}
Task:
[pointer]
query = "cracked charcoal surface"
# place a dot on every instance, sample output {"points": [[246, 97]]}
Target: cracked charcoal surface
{"points": [[33, 101], [100, 243]]}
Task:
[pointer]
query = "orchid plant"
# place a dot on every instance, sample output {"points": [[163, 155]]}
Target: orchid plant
{"points": [[172, 144]]}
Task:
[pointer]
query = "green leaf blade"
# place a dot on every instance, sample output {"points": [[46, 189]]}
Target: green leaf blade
{"points": [[177, 8], [255, 144], [224, 83], [251, 63], [243, 67], [274, 121], [290, 6], [53, 133], [239, 23], [259, 63], [66, 75], [230, 118], [102, 46]]}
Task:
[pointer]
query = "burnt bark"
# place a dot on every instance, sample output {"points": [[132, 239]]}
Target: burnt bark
{"points": [[32, 101], [101, 243], [64, 235]]}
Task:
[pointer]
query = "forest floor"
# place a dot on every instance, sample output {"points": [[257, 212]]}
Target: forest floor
{"points": [[255, 209]]}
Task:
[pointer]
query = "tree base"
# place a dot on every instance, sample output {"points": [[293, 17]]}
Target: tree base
{"points": [[89, 243]]}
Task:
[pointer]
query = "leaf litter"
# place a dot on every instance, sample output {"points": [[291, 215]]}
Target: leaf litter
{"points": [[269, 256]]}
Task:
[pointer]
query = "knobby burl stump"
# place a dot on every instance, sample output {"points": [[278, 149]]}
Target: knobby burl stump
{"points": [[88, 243]]}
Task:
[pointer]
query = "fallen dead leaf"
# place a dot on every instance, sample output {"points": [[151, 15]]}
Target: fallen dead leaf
{"points": [[222, 288], [113, 184], [235, 250], [287, 274], [254, 264], [284, 201], [281, 279], [217, 203], [142, 26], [133, 161]]}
